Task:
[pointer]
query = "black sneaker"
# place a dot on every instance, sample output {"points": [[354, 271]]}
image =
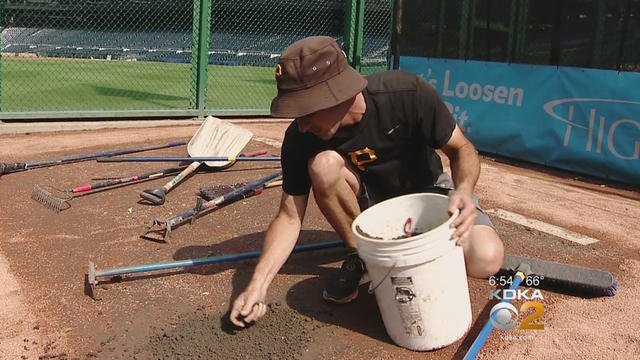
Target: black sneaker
{"points": [[344, 287]]}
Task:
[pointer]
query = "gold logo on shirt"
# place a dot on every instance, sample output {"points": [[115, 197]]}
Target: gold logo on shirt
{"points": [[363, 156]]}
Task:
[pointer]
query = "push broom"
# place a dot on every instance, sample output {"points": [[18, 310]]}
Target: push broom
{"points": [[58, 200], [482, 337], [568, 278], [15, 167], [574, 279]]}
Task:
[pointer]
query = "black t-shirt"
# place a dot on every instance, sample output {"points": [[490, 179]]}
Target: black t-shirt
{"points": [[392, 147]]}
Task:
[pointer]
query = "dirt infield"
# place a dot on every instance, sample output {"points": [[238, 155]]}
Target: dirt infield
{"points": [[183, 313]]}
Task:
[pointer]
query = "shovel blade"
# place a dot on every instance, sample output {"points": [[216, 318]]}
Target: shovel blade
{"points": [[218, 138]]}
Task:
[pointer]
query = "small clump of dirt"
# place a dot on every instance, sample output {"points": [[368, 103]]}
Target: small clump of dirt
{"points": [[281, 334]]}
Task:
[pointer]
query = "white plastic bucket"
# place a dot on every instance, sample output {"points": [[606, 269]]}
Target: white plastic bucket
{"points": [[420, 281]]}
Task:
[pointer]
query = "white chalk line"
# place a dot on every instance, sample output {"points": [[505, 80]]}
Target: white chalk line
{"points": [[268, 141], [543, 226]]}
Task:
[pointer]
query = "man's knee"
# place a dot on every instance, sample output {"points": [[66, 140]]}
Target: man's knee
{"points": [[325, 166], [483, 252], [328, 169]]}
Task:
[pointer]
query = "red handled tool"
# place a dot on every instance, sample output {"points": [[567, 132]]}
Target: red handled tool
{"points": [[58, 200]]}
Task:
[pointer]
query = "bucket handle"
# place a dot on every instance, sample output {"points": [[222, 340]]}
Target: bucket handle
{"points": [[373, 288], [408, 231]]}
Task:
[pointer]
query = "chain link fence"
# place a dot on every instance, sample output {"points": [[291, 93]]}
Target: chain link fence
{"points": [[250, 38], [377, 36], [95, 55], [247, 39], [90, 58]]}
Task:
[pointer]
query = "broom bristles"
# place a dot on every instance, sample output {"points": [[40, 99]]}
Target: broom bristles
{"points": [[211, 192], [567, 277]]}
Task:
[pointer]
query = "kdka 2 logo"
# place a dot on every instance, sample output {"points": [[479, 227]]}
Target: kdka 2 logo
{"points": [[504, 316]]}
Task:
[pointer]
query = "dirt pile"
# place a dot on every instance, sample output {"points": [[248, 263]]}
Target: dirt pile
{"points": [[284, 334]]}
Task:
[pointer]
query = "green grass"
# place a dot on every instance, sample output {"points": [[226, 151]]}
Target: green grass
{"points": [[70, 85], [95, 85], [240, 87]]}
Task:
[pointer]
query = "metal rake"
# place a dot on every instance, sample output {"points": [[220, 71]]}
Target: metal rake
{"points": [[58, 199]]}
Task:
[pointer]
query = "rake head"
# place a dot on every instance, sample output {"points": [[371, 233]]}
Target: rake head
{"points": [[157, 227], [91, 282], [51, 197]]}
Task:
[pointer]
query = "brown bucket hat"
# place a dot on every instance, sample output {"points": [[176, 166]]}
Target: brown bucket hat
{"points": [[313, 74]]}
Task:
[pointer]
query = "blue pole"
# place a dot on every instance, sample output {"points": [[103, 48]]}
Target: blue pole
{"points": [[207, 260], [482, 337]]}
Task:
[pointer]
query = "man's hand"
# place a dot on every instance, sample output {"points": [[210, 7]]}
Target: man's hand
{"points": [[248, 307], [464, 202]]}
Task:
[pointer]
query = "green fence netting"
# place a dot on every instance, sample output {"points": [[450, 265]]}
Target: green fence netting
{"points": [[95, 55], [103, 58], [246, 42], [247, 39], [90, 58]]}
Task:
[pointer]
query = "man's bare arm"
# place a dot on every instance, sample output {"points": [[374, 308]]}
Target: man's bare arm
{"points": [[280, 239], [465, 170], [464, 161]]}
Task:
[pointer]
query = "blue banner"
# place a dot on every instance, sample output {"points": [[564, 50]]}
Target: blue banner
{"points": [[582, 120]]}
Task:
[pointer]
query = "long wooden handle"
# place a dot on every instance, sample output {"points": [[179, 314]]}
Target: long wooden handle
{"points": [[188, 170]]}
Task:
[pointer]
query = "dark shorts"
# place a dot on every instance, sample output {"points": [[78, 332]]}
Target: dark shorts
{"points": [[443, 186]]}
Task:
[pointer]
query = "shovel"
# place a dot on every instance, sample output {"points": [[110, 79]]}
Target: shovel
{"points": [[213, 137]]}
